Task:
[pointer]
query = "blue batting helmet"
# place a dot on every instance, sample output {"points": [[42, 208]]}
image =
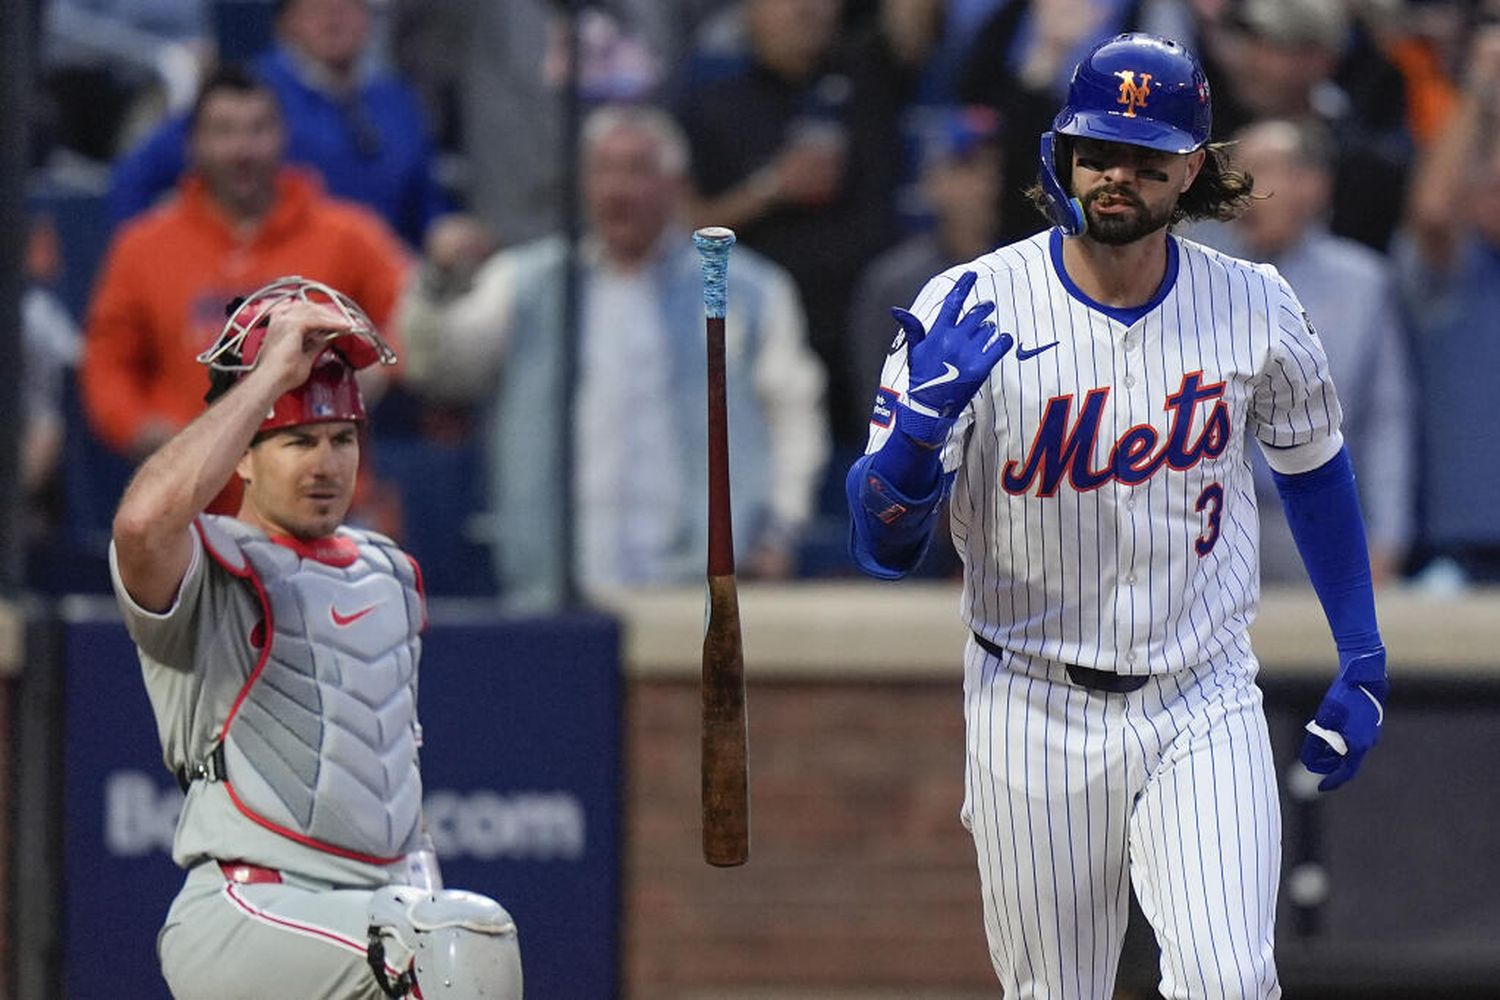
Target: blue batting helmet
{"points": [[1134, 88]]}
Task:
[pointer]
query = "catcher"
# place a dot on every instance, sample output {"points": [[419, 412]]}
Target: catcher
{"points": [[280, 655]]}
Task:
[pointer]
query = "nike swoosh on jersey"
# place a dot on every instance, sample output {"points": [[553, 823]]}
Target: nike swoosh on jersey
{"points": [[1022, 353], [343, 621], [949, 375], [1379, 711]]}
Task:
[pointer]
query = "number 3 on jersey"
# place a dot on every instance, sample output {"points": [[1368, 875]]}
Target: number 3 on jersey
{"points": [[1212, 498]]}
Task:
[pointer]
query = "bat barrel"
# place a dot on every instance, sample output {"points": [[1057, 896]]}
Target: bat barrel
{"points": [[726, 793]]}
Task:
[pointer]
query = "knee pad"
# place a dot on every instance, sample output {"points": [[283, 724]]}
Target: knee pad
{"points": [[451, 944]]}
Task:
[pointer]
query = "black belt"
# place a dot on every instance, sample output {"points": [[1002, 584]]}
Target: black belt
{"points": [[1085, 677]]}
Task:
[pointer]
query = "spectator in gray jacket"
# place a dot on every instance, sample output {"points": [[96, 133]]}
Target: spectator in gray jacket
{"points": [[489, 330]]}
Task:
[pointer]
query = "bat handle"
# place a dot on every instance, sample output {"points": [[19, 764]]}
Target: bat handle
{"points": [[713, 243]]}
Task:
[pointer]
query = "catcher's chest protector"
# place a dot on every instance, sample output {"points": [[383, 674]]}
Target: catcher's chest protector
{"points": [[321, 744]]}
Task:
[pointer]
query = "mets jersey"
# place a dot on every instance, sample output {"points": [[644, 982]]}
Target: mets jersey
{"points": [[1103, 504]]}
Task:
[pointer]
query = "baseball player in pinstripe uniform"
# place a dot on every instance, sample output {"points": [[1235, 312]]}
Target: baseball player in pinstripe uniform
{"points": [[1081, 398], [280, 654]]}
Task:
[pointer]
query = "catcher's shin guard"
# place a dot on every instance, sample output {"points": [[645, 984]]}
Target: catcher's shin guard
{"points": [[461, 945]]}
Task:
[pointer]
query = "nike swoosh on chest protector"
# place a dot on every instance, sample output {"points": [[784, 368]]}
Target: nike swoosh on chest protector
{"points": [[345, 620]]}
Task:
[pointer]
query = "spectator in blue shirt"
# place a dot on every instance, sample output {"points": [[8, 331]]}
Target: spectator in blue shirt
{"points": [[360, 127], [1351, 298], [1450, 267]]}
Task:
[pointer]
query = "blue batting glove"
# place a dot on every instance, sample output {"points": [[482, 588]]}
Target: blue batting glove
{"points": [[1348, 720], [947, 365]]}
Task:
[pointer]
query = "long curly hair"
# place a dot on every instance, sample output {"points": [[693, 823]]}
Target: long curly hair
{"points": [[1218, 192]]}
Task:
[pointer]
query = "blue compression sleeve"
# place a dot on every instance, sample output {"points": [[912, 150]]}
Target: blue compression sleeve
{"points": [[894, 495], [906, 465], [1322, 509]]}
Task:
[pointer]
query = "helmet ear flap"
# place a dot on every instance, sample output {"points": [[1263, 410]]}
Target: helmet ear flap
{"points": [[1062, 161], [1064, 210]]}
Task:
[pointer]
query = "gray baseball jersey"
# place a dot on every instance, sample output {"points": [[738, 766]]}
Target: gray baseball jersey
{"points": [[1104, 511], [213, 610], [229, 933]]}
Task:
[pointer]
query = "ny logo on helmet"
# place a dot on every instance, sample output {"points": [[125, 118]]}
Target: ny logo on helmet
{"points": [[1133, 95]]}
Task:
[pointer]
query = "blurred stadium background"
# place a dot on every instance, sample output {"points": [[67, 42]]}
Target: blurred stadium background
{"points": [[570, 786]]}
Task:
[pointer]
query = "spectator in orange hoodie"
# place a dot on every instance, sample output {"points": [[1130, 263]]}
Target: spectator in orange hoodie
{"points": [[240, 218]]}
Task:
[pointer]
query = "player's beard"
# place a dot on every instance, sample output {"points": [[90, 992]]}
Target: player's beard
{"points": [[1120, 229]]}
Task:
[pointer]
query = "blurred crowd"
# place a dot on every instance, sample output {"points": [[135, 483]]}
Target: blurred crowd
{"points": [[418, 155]]}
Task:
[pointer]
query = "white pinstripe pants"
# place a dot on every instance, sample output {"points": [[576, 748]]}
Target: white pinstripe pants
{"points": [[1067, 790]]}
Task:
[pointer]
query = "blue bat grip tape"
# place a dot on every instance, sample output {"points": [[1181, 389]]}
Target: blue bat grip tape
{"points": [[713, 255]]}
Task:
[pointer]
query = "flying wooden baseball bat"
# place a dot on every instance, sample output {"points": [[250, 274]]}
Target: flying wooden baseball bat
{"points": [[726, 794]]}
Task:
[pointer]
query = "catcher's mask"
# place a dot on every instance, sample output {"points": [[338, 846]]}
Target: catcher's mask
{"points": [[331, 392]]}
